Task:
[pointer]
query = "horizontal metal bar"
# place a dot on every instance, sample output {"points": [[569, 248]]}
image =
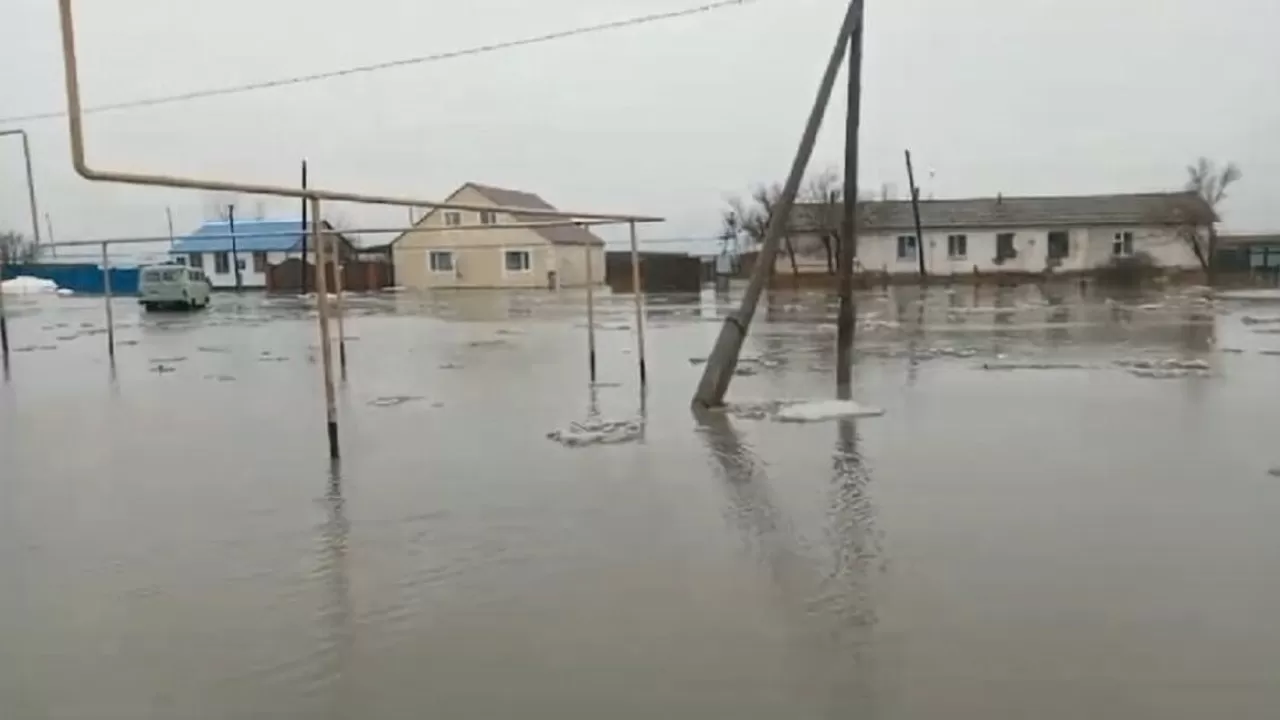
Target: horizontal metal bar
{"points": [[75, 116], [415, 229]]}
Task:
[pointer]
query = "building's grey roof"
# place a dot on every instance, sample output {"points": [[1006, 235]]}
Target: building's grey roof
{"points": [[564, 235], [1179, 208], [1249, 239]]}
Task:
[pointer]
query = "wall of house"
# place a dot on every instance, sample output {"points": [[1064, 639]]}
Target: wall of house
{"points": [[479, 255], [571, 265], [249, 278], [1090, 248]]}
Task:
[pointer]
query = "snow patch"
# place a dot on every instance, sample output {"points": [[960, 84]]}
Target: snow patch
{"points": [[27, 285], [598, 432], [819, 410]]}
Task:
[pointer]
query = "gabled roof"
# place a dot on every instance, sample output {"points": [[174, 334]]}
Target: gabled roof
{"points": [[279, 235], [1178, 208], [563, 235]]}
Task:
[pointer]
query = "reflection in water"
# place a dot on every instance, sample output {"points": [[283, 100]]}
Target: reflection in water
{"points": [[335, 615], [829, 603]]}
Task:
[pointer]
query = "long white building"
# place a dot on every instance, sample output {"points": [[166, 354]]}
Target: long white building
{"points": [[1026, 235]]}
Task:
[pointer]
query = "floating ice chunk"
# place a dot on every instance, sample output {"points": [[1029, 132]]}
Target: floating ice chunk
{"points": [[1033, 366], [819, 410], [27, 285], [598, 432]]}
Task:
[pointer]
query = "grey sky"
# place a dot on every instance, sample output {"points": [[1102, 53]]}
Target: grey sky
{"points": [[1014, 96]]}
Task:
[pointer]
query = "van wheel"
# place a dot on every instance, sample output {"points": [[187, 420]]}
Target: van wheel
{"points": [[149, 307]]}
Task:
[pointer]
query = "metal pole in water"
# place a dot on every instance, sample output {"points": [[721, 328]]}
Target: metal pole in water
{"points": [[304, 230], [639, 295], [591, 313], [337, 290], [4, 320], [106, 294], [326, 349]]}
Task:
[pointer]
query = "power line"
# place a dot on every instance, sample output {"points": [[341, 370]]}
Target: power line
{"points": [[387, 65]]}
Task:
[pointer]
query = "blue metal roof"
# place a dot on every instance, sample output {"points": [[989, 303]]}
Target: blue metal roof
{"points": [[251, 236]]}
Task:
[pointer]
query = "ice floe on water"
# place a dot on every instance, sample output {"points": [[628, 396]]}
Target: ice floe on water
{"points": [[598, 432], [1164, 364], [1013, 365], [800, 411], [820, 410]]}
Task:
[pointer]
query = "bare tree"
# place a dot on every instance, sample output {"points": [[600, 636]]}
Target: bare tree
{"points": [[217, 206], [751, 217], [1210, 183], [823, 200], [15, 248]]}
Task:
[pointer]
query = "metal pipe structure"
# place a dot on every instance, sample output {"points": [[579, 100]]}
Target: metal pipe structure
{"points": [[304, 229], [591, 314], [326, 349], [846, 319], [720, 366], [4, 322], [106, 294], [75, 117], [366, 231], [31, 183], [639, 297], [337, 292]]}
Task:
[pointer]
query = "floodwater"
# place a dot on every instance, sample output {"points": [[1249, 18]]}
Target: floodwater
{"points": [[1060, 536]]}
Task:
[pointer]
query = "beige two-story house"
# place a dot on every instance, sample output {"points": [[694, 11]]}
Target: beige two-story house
{"points": [[434, 256]]}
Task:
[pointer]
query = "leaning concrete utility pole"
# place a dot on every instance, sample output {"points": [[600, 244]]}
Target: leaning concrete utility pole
{"points": [[718, 372], [846, 320], [915, 213]]}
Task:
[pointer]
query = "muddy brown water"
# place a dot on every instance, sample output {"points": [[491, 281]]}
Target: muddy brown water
{"points": [[1064, 542]]}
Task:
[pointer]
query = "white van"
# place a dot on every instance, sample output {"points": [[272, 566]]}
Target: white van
{"points": [[172, 286]]}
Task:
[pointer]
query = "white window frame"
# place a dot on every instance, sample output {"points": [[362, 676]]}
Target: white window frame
{"points": [[958, 238], [488, 217], [453, 262], [508, 271], [452, 218], [911, 256], [1118, 242]]}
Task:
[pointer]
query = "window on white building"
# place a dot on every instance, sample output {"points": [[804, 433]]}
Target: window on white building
{"points": [[259, 262], [488, 217], [957, 247], [452, 218], [906, 247], [441, 261], [517, 261], [1005, 249], [1122, 245], [197, 260], [221, 263], [1059, 245]]}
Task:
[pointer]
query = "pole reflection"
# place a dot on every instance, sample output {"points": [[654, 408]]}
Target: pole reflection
{"points": [[829, 601], [336, 618]]}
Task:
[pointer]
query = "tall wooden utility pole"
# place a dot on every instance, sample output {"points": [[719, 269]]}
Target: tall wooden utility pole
{"points": [[915, 212], [718, 372], [846, 320], [235, 254]]}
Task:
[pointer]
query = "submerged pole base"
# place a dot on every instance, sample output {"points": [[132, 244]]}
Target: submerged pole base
{"points": [[333, 440], [720, 365]]}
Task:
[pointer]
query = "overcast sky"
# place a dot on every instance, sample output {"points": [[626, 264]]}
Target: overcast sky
{"points": [[1013, 96]]}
